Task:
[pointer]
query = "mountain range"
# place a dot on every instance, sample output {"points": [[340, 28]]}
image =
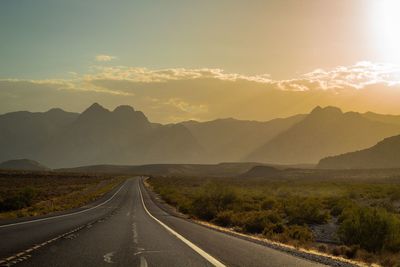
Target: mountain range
{"points": [[385, 154], [125, 136], [324, 132]]}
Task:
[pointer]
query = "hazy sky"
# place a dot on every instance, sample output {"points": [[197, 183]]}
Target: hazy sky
{"points": [[173, 59]]}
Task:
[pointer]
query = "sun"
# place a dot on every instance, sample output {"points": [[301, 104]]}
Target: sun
{"points": [[386, 27]]}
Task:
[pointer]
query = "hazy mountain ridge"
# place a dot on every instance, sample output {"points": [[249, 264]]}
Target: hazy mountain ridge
{"points": [[386, 118], [23, 133], [125, 136], [205, 170], [385, 154], [324, 132], [121, 136], [97, 135], [230, 139]]}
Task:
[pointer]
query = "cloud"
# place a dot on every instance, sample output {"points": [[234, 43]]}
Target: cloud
{"points": [[357, 76], [104, 58], [169, 95], [163, 75]]}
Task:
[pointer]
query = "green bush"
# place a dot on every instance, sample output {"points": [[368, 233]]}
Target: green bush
{"points": [[371, 228], [268, 204], [224, 219], [21, 200], [211, 200], [337, 205], [306, 211], [300, 233], [272, 230], [253, 222]]}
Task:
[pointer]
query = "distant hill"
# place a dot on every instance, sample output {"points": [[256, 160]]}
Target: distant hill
{"points": [[22, 164], [231, 139], [391, 119], [261, 171], [385, 154], [206, 170], [324, 132]]}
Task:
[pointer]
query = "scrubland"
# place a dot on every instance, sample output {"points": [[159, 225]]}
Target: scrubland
{"points": [[37, 193], [352, 216]]}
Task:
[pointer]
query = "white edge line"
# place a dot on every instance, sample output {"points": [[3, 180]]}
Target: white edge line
{"points": [[65, 215], [202, 253]]}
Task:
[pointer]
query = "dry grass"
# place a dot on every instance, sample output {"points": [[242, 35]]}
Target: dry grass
{"points": [[47, 192]]}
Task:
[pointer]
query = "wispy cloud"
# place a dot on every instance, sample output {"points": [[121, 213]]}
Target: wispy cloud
{"points": [[357, 76], [104, 58], [136, 74]]}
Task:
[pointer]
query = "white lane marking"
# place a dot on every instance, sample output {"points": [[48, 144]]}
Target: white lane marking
{"points": [[148, 251], [66, 215], [135, 234], [202, 253], [143, 262], [8, 261], [108, 257]]}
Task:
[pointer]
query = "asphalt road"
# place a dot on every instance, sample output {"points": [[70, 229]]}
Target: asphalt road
{"points": [[126, 228]]}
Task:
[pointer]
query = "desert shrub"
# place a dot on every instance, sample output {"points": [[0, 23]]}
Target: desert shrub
{"points": [[322, 248], [300, 233], [395, 194], [371, 228], [212, 199], [337, 205], [245, 206], [306, 211], [224, 219], [252, 222], [20, 200], [272, 230], [274, 217], [268, 204], [184, 206], [348, 252]]}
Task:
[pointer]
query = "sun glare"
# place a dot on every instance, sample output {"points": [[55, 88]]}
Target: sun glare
{"points": [[385, 23]]}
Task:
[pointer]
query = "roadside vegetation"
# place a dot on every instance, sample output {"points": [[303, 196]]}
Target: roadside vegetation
{"points": [[37, 193], [349, 217]]}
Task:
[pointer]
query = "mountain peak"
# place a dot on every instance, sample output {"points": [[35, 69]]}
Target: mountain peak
{"points": [[55, 111], [124, 109], [329, 110], [128, 113], [95, 108], [95, 111]]}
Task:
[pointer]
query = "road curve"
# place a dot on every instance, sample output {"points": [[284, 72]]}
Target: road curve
{"points": [[127, 229]]}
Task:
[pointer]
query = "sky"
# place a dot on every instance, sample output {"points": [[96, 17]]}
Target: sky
{"points": [[178, 60]]}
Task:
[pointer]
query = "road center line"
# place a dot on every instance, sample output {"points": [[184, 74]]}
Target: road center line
{"points": [[143, 262], [108, 257], [65, 215], [202, 253]]}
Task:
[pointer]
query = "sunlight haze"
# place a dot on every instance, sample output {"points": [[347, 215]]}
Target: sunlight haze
{"points": [[200, 60]]}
